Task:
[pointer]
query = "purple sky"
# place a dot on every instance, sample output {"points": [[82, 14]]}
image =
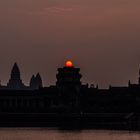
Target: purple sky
{"points": [[102, 37]]}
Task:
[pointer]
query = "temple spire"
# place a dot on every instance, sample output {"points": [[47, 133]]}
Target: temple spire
{"points": [[15, 73], [36, 81], [15, 81]]}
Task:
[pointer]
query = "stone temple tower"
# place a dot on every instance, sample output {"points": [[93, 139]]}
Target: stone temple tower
{"points": [[69, 86], [36, 82], [15, 81], [68, 76]]}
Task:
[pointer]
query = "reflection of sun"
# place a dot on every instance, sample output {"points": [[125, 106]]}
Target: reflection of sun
{"points": [[69, 64]]}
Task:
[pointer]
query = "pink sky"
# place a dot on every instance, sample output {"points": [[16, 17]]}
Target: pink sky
{"points": [[102, 37]]}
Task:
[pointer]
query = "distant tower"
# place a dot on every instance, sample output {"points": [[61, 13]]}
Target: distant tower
{"points": [[36, 82], [39, 80], [32, 82], [15, 81], [68, 76]]}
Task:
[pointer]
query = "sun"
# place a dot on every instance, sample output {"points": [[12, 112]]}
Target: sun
{"points": [[69, 63]]}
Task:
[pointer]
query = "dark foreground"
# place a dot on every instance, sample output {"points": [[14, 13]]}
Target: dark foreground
{"points": [[108, 121], [69, 104]]}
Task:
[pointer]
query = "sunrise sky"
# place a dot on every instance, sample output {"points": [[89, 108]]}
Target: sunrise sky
{"points": [[102, 37]]}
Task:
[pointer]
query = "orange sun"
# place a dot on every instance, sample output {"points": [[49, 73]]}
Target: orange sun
{"points": [[69, 64]]}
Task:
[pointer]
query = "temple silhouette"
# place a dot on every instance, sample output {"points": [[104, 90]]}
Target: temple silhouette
{"points": [[15, 82], [69, 103]]}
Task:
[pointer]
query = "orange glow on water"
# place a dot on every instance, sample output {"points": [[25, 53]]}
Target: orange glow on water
{"points": [[69, 64]]}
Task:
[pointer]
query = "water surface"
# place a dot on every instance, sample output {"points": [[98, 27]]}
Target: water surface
{"points": [[54, 134]]}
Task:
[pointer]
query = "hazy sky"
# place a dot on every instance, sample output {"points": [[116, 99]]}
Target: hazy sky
{"points": [[102, 37]]}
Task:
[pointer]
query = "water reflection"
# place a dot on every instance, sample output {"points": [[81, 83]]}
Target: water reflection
{"points": [[49, 134]]}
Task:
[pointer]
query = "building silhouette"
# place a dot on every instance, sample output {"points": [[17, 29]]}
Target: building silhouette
{"points": [[69, 86], [69, 77], [69, 101], [15, 81], [36, 82]]}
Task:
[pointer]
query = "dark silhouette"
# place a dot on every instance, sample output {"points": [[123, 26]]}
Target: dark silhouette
{"points": [[69, 103], [15, 82], [36, 82]]}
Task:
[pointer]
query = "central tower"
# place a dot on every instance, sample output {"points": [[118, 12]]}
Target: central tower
{"points": [[69, 86], [68, 76]]}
